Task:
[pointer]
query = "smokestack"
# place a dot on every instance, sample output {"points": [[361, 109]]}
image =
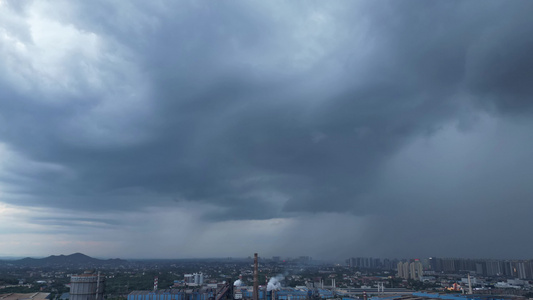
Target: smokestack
{"points": [[469, 285], [266, 288], [98, 285], [256, 279]]}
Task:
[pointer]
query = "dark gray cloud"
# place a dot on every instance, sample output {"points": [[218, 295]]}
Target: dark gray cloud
{"points": [[260, 110]]}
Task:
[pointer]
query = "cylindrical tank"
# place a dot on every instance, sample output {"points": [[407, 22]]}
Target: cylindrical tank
{"points": [[87, 286]]}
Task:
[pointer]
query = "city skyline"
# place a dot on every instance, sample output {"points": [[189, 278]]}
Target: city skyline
{"points": [[210, 129]]}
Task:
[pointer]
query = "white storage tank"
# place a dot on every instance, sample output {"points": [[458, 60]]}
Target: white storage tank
{"points": [[87, 286]]}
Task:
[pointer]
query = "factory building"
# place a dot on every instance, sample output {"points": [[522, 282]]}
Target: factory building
{"points": [[284, 293], [25, 296], [174, 294], [194, 279], [87, 286]]}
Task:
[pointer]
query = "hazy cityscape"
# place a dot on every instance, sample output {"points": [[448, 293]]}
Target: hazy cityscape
{"points": [[80, 277], [266, 150]]}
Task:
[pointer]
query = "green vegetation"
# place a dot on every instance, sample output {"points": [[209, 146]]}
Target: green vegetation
{"points": [[20, 289]]}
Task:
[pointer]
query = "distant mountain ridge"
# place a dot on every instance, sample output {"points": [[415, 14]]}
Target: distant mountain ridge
{"points": [[73, 260]]}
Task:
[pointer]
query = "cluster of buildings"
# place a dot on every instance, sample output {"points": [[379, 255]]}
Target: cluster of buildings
{"points": [[371, 263], [521, 269], [444, 275], [283, 293], [91, 286], [195, 279], [410, 270]]}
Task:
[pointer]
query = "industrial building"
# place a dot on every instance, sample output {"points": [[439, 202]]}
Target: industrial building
{"points": [[25, 296], [285, 293], [87, 286], [194, 279], [176, 294], [275, 292], [430, 296], [358, 292]]}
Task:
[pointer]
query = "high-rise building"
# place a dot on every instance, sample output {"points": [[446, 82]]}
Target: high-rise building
{"points": [[405, 267], [387, 264], [400, 270], [508, 268], [351, 262], [403, 270], [493, 268], [435, 264], [365, 263], [87, 286], [448, 265], [480, 269], [521, 270], [415, 270]]}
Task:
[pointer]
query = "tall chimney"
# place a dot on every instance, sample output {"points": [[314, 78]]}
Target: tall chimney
{"points": [[256, 279], [266, 288], [98, 285], [469, 285]]}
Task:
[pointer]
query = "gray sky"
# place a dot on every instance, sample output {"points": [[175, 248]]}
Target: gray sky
{"points": [[322, 128]]}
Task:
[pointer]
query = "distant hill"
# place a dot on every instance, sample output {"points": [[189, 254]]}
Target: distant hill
{"points": [[77, 260]]}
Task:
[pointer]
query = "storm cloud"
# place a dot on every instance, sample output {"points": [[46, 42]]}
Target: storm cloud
{"points": [[389, 123]]}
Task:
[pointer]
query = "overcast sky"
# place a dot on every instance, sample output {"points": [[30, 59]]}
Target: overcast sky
{"points": [[332, 129]]}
